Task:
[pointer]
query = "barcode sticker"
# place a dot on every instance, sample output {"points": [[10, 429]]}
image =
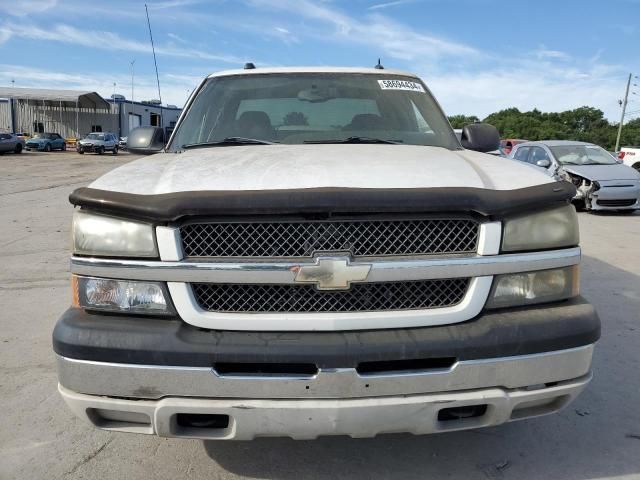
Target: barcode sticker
{"points": [[401, 85]]}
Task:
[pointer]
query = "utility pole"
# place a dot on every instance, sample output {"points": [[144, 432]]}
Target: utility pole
{"points": [[132, 63], [624, 109]]}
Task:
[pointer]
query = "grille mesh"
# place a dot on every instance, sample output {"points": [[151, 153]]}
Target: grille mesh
{"points": [[302, 239], [616, 202], [361, 297]]}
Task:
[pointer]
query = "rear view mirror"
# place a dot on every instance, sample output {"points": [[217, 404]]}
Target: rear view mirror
{"points": [[480, 137], [145, 140], [543, 163]]}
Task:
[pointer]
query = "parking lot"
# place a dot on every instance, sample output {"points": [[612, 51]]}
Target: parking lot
{"points": [[598, 436]]}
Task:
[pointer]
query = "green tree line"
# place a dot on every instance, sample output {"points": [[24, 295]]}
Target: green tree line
{"points": [[585, 124]]}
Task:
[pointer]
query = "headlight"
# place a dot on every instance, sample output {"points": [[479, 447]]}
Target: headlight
{"points": [[110, 236], [517, 289], [549, 229], [123, 296]]}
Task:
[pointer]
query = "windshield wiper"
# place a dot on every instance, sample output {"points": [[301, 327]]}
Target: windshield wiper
{"points": [[355, 139], [228, 141]]}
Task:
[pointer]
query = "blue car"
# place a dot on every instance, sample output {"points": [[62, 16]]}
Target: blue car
{"points": [[46, 142]]}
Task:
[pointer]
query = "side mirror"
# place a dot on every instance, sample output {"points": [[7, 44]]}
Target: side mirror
{"points": [[480, 137], [543, 163], [145, 140]]}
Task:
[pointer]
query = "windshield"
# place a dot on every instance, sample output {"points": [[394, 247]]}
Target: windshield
{"points": [[314, 108], [95, 136], [582, 155], [42, 135]]}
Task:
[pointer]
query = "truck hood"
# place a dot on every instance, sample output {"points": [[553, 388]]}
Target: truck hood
{"points": [[271, 167], [601, 173]]}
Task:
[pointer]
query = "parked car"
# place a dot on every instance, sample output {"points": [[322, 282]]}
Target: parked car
{"points": [[630, 156], [122, 143], [23, 135], [602, 182], [358, 272], [46, 142], [507, 144], [10, 142], [98, 142]]}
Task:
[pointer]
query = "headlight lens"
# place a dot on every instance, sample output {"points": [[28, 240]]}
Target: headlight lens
{"points": [[518, 289], [110, 236], [549, 229], [124, 296]]}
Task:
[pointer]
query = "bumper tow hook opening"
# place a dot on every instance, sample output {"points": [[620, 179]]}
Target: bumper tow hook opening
{"points": [[461, 413], [202, 420]]}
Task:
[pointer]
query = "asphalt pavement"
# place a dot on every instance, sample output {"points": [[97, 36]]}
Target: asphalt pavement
{"points": [[596, 437]]}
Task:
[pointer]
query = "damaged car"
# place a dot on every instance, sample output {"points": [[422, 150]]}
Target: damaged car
{"points": [[602, 182]]}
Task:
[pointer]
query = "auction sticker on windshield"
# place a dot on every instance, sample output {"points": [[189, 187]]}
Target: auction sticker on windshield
{"points": [[401, 85]]}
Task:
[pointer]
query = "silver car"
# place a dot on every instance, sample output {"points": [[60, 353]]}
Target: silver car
{"points": [[10, 142], [603, 182], [98, 142]]}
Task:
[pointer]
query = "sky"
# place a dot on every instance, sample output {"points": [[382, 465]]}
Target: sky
{"points": [[476, 56]]}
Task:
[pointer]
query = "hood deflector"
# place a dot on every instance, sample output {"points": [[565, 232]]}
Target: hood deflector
{"points": [[168, 207]]}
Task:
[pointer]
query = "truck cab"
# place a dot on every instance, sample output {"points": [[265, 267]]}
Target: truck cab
{"points": [[314, 252]]}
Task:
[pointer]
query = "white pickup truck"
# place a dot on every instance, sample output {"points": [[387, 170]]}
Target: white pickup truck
{"points": [[630, 156], [314, 252]]}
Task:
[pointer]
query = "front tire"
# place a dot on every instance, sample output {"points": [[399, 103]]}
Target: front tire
{"points": [[115, 150], [80, 151], [47, 147], [64, 147], [100, 150], [18, 148]]}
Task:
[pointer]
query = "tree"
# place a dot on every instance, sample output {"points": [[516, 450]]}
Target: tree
{"points": [[459, 121], [584, 124]]}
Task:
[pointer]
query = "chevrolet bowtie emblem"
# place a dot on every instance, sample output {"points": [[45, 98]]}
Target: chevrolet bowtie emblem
{"points": [[332, 273]]}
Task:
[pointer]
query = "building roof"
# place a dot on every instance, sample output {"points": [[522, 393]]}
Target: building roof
{"points": [[54, 97], [151, 105]]}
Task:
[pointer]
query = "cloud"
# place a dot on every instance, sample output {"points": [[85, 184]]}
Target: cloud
{"points": [[175, 88], [108, 41], [544, 53], [380, 6], [173, 4], [26, 7], [374, 30], [483, 92], [176, 37]]}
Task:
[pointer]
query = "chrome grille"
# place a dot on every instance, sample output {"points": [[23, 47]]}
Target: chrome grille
{"points": [[361, 297], [303, 238]]}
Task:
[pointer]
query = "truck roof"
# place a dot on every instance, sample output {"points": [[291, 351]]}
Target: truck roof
{"points": [[267, 70]]}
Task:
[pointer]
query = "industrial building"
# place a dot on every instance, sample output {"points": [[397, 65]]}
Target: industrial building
{"points": [[143, 114], [73, 113]]}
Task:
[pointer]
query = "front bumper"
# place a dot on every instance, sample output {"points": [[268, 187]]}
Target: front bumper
{"points": [[89, 148], [616, 197], [35, 146], [143, 375], [245, 419]]}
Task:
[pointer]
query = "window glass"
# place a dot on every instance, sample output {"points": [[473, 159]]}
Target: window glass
{"points": [[582, 155], [538, 154], [296, 108], [522, 153]]}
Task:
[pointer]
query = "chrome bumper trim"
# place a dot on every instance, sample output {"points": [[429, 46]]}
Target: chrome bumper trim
{"points": [[284, 272], [156, 381], [310, 418]]}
